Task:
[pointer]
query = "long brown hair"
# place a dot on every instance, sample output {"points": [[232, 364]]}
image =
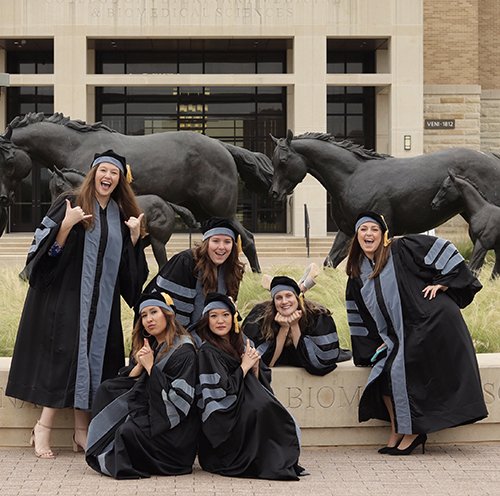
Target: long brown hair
{"points": [[234, 346], [233, 270], [172, 329], [356, 255], [122, 194], [269, 328]]}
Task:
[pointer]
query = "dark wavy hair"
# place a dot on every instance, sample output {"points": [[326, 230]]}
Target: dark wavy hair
{"points": [[173, 329], [356, 255], [233, 270], [234, 347]]}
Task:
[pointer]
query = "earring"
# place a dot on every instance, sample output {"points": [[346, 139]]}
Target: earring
{"points": [[147, 335]]}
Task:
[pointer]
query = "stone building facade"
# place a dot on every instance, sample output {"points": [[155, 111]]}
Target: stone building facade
{"points": [[386, 64]]}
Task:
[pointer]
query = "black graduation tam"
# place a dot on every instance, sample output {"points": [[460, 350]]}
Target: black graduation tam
{"points": [[370, 216], [284, 283], [162, 300], [110, 157], [218, 300], [219, 225]]}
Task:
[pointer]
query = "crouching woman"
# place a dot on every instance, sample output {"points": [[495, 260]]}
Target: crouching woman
{"points": [[246, 431], [143, 421]]}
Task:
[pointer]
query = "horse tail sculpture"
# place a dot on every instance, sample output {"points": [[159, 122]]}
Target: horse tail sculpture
{"points": [[186, 215], [254, 168]]}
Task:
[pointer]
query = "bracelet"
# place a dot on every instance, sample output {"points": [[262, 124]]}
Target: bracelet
{"points": [[55, 249]]}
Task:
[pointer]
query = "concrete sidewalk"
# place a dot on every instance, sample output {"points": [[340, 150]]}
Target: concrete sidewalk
{"points": [[465, 470]]}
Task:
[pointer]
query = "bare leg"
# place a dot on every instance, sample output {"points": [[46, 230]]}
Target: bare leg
{"points": [[394, 438], [40, 436], [82, 421]]}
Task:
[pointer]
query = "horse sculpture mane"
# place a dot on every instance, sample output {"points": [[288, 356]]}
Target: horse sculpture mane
{"points": [[474, 185], [358, 150], [58, 118]]}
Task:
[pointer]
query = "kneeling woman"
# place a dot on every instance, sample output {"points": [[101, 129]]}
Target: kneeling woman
{"points": [[403, 304], [290, 330], [246, 431], [143, 421]]}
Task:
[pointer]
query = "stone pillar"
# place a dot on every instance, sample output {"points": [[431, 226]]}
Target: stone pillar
{"points": [[70, 71], [405, 94], [309, 115]]}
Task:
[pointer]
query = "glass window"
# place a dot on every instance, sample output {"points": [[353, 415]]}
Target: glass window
{"points": [[30, 62]]}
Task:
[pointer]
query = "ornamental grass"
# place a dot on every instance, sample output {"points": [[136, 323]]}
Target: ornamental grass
{"points": [[482, 316]]}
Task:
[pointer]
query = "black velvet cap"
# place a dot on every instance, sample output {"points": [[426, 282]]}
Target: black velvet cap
{"points": [[111, 157], [219, 225], [218, 300], [370, 216], [282, 283]]}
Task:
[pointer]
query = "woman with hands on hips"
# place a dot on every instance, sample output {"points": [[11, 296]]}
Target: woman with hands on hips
{"points": [[292, 330], [246, 431], [85, 254], [403, 302], [144, 421]]}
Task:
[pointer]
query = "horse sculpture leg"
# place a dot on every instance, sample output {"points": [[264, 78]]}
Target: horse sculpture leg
{"points": [[477, 257], [339, 250], [247, 244], [495, 274]]}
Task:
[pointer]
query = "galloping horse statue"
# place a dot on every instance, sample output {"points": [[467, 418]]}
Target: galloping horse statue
{"points": [[185, 167], [159, 214], [399, 188]]}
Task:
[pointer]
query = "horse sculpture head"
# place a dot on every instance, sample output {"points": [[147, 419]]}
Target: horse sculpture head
{"points": [[64, 180], [447, 192], [15, 165], [289, 168]]}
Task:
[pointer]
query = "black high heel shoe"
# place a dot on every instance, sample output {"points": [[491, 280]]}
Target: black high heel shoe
{"points": [[419, 440], [386, 449]]}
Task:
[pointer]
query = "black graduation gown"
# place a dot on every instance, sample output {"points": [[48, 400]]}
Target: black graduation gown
{"points": [[431, 365], [50, 350], [246, 431], [148, 425], [317, 350], [177, 278]]}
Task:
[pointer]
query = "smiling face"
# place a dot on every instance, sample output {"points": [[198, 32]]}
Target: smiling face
{"points": [[286, 302], [369, 238], [107, 177], [154, 322], [220, 322], [219, 248]]}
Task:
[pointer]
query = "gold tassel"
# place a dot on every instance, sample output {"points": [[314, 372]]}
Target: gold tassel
{"points": [[238, 244], [128, 176], [386, 234], [236, 323], [168, 299]]}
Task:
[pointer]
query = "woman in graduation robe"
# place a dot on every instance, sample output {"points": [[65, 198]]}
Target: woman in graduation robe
{"points": [[213, 266], [403, 303], [85, 254], [292, 330], [246, 431], [145, 422]]}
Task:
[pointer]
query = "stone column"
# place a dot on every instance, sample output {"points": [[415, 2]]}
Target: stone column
{"points": [[70, 70], [308, 114]]}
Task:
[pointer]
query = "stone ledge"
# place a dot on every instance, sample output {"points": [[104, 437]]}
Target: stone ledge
{"points": [[325, 408]]}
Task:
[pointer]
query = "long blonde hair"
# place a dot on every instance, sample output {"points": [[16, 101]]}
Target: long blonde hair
{"points": [[269, 328]]}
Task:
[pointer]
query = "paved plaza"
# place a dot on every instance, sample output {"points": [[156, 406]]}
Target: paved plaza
{"points": [[463, 470]]}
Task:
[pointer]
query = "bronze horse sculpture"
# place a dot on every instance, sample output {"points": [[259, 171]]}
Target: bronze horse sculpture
{"points": [[185, 167], [484, 218], [159, 214], [399, 188]]}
